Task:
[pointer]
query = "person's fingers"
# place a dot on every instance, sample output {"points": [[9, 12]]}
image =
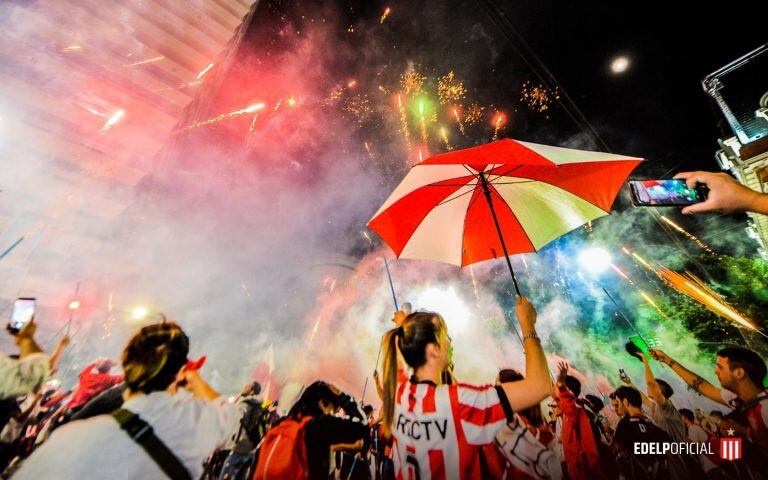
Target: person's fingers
{"points": [[706, 206], [683, 175]]}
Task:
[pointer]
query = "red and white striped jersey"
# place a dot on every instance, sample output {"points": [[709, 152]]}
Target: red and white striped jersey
{"points": [[438, 430]]}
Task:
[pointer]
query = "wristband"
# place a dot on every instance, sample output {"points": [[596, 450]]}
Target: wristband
{"points": [[532, 336]]}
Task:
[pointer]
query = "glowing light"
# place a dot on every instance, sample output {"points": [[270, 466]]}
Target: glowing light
{"points": [[74, 305], [595, 260], [351, 83], [71, 48], [445, 302], [411, 82], [149, 60], [204, 71], [385, 14], [113, 120], [620, 64], [291, 101], [139, 313], [497, 125]]}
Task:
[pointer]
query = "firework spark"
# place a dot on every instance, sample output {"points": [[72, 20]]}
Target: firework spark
{"points": [[692, 286], [244, 111], [384, 15], [457, 116], [449, 89], [412, 82], [691, 236], [538, 97], [497, 124], [71, 48], [204, 71], [444, 134], [149, 60], [113, 120], [473, 114]]}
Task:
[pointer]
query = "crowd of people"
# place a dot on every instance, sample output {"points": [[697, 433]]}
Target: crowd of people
{"points": [[158, 417]]}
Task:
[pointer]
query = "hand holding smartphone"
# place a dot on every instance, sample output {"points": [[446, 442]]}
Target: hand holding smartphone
{"points": [[665, 193]]}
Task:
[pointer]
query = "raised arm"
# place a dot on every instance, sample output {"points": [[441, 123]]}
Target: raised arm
{"points": [[536, 385], [56, 355], [654, 390], [646, 401], [693, 380]]}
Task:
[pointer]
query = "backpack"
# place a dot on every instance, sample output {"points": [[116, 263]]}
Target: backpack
{"points": [[254, 422], [283, 452]]}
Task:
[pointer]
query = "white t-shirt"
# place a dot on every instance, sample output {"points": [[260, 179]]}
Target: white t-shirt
{"points": [[96, 448], [19, 377]]}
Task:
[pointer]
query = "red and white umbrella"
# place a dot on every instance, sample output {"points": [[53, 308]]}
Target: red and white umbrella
{"points": [[497, 199]]}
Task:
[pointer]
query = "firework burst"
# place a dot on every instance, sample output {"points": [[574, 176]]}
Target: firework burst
{"points": [[449, 89]]}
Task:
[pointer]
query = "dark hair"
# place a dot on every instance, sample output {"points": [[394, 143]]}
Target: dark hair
{"points": [[532, 414], [368, 409], [631, 395], [573, 384], [687, 414], [595, 402], [716, 413], [750, 361], [418, 330], [665, 388], [308, 404], [252, 389], [153, 357]]}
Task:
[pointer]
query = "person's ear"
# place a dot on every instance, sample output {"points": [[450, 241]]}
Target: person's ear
{"points": [[433, 350], [739, 373]]}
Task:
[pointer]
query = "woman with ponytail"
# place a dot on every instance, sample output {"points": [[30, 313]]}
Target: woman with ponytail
{"points": [[439, 429], [170, 421]]}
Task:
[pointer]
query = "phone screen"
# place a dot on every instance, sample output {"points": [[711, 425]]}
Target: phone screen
{"points": [[23, 311], [664, 193]]}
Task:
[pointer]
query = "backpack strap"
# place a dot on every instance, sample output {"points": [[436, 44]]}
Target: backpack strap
{"points": [[142, 433]]}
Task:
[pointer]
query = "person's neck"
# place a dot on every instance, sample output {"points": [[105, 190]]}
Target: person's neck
{"points": [[746, 391], [428, 373], [635, 412]]}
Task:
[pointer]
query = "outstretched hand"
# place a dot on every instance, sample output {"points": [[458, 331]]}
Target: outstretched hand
{"points": [[562, 372], [660, 356], [725, 193]]}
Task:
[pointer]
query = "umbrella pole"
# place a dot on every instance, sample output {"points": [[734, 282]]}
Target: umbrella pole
{"points": [[487, 192]]}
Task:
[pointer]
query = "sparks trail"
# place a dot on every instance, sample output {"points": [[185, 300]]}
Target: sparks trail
{"points": [[249, 109], [693, 287], [204, 71], [498, 123], [457, 116], [113, 120], [691, 236], [384, 15], [142, 62]]}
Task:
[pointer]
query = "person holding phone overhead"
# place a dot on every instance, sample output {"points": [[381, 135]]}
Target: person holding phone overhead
{"points": [[25, 372]]}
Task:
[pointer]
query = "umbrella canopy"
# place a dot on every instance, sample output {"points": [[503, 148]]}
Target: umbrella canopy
{"points": [[497, 199]]}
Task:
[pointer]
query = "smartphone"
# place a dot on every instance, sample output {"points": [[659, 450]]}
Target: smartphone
{"points": [[622, 374], [665, 193], [23, 311]]}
